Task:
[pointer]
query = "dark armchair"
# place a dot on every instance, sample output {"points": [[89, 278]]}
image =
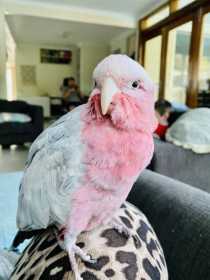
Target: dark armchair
{"points": [[20, 133], [180, 216]]}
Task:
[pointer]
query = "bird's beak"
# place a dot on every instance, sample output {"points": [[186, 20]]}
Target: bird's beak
{"points": [[109, 89]]}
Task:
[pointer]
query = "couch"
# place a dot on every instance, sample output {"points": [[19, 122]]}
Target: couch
{"points": [[180, 216], [20, 133], [181, 164], [43, 101]]}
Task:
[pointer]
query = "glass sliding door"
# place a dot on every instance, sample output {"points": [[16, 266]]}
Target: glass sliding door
{"points": [[204, 65], [177, 65], [163, 13], [183, 3], [152, 60], [175, 51]]}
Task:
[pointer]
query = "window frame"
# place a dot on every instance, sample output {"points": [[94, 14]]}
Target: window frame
{"points": [[193, 12]]}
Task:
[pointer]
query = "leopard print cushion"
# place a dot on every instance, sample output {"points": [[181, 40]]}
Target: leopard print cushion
{"points": [[139, 257]]}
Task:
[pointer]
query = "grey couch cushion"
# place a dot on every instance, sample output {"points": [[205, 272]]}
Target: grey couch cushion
{"points": [[181, 164], [180, 215]]}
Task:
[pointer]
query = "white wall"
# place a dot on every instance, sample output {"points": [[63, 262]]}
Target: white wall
{"points": [[2, 56], [90, 55], [121, 43], [49, 76], [10, 64]]}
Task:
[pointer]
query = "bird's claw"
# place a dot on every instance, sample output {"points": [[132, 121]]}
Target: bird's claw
{"points": [[93, 261], [83, 256], [77, 251], [88, 258], [122, 229]]}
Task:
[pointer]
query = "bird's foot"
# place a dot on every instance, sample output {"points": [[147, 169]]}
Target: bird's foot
{"points": [[120, 227], [83, 256], [72, 252]]}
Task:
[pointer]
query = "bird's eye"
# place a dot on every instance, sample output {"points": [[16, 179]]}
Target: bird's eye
{"points": [[135, 84]]}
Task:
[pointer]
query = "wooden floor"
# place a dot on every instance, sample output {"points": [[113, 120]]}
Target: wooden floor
{"points": [[13, 159]]}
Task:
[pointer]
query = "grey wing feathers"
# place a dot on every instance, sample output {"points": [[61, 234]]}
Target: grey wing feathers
{"points": [[55, 131], [52, 173]]}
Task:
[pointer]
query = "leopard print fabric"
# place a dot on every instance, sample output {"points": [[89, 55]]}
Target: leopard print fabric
{"points": [[139, 257]]}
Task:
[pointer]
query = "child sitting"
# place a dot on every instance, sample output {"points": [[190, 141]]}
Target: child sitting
{"points": [[163, 110]]}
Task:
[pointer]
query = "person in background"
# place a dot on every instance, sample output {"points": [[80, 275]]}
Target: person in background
{"points": [[71, 94], [162, 109]]}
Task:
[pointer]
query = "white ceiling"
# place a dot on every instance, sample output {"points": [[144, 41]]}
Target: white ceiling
{"points": [[134, 8], [65, 22], [27, 29]]}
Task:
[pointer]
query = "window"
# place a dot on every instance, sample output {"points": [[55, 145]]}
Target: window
{"points": [[183, 3], [204, 68], [152, 59], [203, 97], [9, 83], [182, 43], [177, 63], [156, 17]]}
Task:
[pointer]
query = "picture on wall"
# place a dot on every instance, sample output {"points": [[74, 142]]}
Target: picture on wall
{"points": [[55, 56], [28, 75]]}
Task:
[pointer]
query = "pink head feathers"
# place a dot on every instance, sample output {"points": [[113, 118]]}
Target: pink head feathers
{"points": [[123, 93]]}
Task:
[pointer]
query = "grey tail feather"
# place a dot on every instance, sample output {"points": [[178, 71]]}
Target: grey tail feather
{"points": [[8, 259], [21, 236]]}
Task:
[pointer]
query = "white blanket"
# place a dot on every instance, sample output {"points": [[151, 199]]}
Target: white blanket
{"points": [[192, 131]]}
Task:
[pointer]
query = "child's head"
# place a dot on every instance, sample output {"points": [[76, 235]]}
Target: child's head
{"points": [[69, 82], [163, 108]]}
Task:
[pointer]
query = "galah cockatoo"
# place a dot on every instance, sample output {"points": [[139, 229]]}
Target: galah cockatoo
{"points": [[81, 169]]}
